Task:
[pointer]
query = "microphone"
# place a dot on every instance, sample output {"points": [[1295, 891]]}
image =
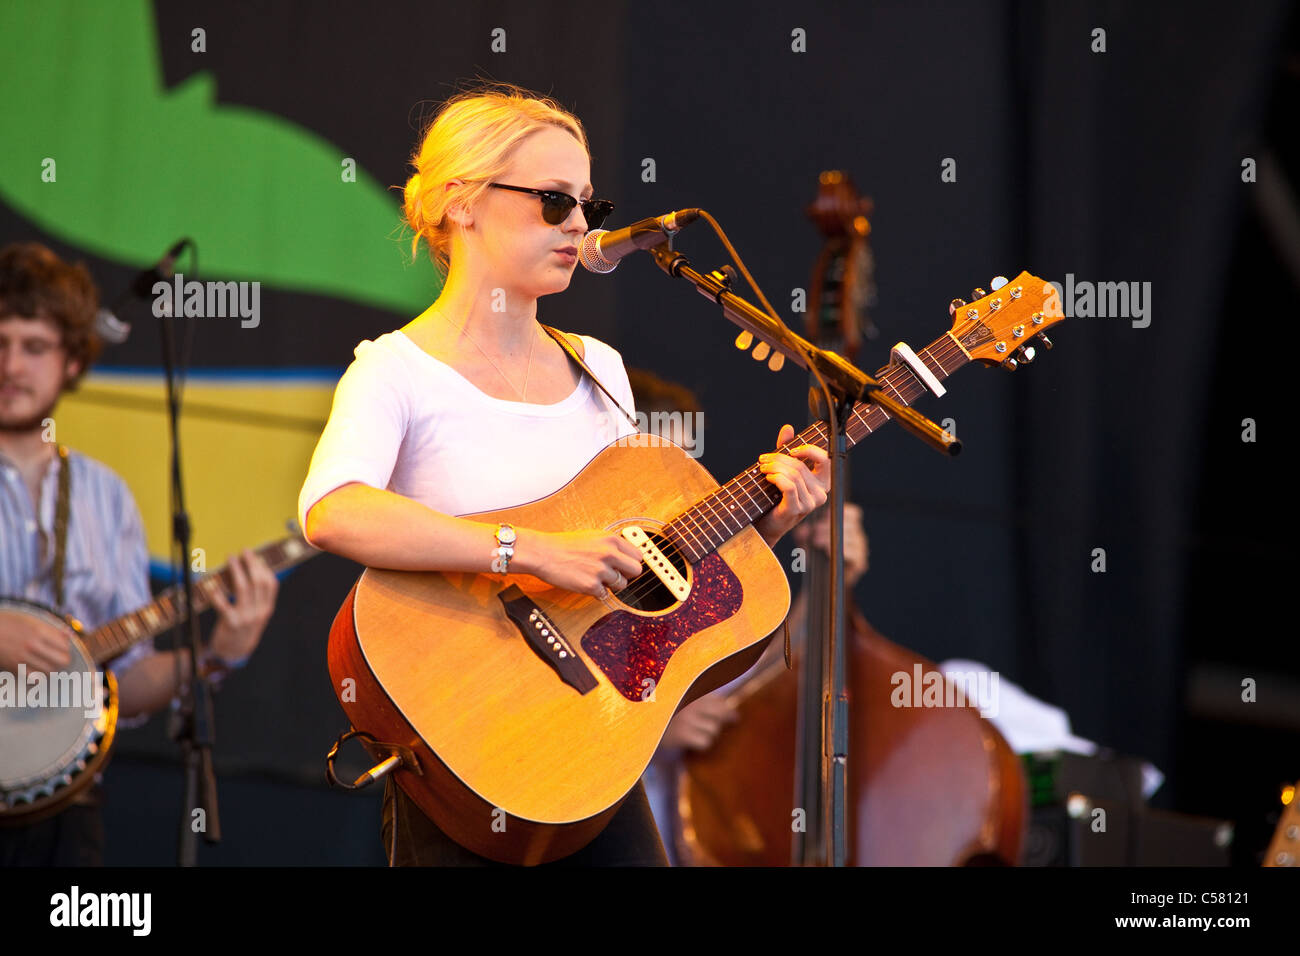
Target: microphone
{"points": [[111, 329], [601, 249]]}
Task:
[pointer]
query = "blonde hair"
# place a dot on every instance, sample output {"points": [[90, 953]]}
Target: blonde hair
{"points": [[473, 137]]}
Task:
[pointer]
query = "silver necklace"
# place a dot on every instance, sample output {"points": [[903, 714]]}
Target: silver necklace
{"points": [[527, 374]]}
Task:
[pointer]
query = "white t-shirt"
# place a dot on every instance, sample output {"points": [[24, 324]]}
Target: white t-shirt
{"points": [[404, 421]]}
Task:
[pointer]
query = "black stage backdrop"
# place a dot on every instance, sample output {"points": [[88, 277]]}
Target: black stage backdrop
{"points": [[1115, 166]]}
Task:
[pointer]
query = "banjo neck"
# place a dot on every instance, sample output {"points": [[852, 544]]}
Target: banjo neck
{"points": [[112, 639]]}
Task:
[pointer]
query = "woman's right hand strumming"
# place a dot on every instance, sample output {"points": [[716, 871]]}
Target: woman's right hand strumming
{"points": [[381, 529], [584, 561]]}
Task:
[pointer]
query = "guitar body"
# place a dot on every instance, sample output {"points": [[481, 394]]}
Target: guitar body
{"points": [[48, 754], [515, 764]]}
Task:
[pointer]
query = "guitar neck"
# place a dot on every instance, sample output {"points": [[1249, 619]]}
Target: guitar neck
{"points": [[115, 637], [744, 499]]}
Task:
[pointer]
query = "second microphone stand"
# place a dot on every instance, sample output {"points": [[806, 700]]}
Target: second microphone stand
{"points": [[843, 385]]}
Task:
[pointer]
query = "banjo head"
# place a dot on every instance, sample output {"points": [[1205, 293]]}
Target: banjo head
{"points": [[55, 728]]}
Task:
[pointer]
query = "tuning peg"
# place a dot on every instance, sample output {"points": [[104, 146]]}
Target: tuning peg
{"points": [[954, 305], [1047, 343], [977, 293], [1026, 353], [997, 282], [760, 351], [744, 340], [776, 361], [1010, 365]]}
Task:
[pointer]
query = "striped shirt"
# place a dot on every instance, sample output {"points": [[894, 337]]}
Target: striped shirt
{"points": [[107, 565]]}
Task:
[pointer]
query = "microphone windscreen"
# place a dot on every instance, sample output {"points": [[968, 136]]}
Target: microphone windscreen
{"points": [[110, 328], [589, 253]]}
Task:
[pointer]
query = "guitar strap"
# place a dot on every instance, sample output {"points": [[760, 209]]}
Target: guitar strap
{"points": [[572, 353], [61, 508]]}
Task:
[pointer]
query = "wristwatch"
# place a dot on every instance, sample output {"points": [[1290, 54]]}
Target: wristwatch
{"points": [[505, 549]]}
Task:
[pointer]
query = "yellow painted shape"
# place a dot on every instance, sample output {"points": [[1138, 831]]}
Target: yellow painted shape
{"points": [[246, 443]]}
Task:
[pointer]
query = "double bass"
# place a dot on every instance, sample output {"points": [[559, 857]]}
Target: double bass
{"points": [[932, 786]]}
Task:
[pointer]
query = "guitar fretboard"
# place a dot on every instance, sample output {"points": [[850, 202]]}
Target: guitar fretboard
{"points": [[744, 499], [113, 638]]}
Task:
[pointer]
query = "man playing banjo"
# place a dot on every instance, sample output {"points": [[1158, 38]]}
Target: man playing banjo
{"points": [[71, 536]]}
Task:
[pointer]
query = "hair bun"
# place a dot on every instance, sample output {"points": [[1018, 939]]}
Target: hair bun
{"points": [[414, 203]]}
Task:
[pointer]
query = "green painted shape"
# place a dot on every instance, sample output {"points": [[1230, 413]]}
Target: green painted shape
{"points": [[137, 166]]}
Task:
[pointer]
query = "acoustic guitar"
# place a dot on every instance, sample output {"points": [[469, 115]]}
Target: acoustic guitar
{"points": [[528, 712], [56, 730]]}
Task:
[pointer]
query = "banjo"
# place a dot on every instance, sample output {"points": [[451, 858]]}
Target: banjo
{"points": [[56, 729]]}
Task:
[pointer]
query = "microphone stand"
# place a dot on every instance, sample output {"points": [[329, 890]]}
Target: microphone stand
{"points": [[844, 385], [192, 719]]}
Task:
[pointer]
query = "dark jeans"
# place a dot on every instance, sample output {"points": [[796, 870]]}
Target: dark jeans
{"points": [[73, 837], [412, 839]]}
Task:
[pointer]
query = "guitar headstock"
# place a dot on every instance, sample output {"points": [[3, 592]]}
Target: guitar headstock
{"points": [[997, 327]]}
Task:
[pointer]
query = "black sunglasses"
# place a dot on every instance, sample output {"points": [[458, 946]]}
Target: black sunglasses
{"points": [[556, 206]]}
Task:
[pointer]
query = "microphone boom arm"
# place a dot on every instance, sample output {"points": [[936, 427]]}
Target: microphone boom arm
{"points": [[841, 375]]}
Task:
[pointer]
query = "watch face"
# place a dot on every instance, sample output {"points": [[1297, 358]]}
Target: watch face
{"points": [[506, 534]]}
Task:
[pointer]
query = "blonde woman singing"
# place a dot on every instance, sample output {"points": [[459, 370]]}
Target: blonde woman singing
{"points": [[472, 406]]}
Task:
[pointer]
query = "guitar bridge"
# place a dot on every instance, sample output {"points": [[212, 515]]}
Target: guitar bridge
{"points": [[544, 638]]}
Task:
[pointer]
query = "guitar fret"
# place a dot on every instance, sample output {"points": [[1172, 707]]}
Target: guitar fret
{"points": [[115, 632], [700, 530], [715, 515], [734, 502], [112, 638], [683, 524], [719, 512], [729, 507], [740, 482]]}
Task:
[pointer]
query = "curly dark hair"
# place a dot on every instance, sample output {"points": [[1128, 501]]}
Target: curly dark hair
{"points": [[37, 284]]}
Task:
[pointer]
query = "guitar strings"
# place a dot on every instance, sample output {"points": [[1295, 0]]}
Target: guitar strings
{"points": [[644, 583]]}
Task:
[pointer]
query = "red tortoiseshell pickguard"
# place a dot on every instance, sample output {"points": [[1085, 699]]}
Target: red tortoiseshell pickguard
{"points": [[630, 649]]}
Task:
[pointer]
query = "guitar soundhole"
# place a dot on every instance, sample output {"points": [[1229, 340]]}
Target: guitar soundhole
{"points": [[646, 592]]}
